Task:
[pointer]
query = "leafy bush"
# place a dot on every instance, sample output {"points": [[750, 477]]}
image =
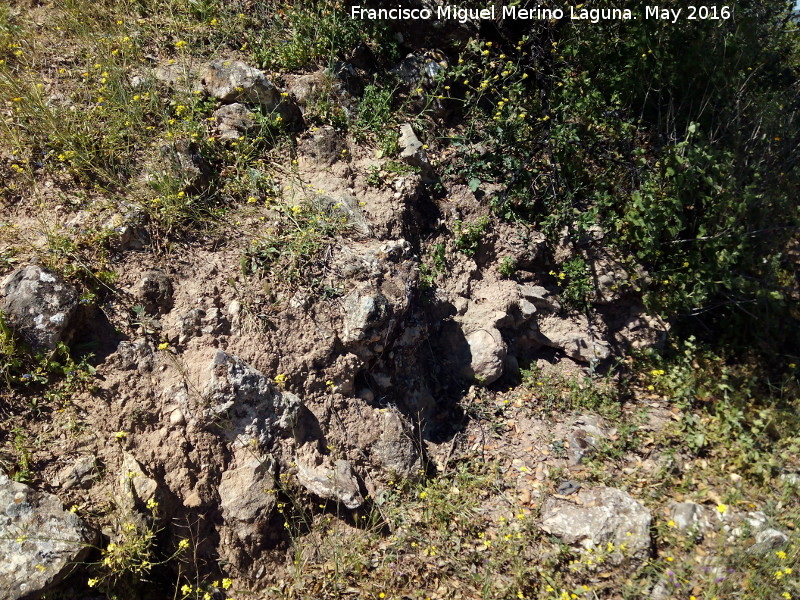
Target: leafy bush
{"points": [[676, 139]]}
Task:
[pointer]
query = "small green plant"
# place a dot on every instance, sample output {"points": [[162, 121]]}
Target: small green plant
{"points": [[468, 236], [576, 283], [437, 265], [376, 120], [133, 553], [558, 393], [10, 359], [291, 249], [316, 32], [22, 469], [381, 175], [507, 267]]}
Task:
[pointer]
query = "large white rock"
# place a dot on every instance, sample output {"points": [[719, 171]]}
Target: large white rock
{"points": [[235, 81], [40, 542], [38, 305], [598, 516]]}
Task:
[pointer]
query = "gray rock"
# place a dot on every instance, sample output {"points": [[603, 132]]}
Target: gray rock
{"points": [[757, 520], [395, 449], [137, 354], [600, 515], [247, 497], [661, 590], [181, 77], [127, 228], [335, 481], [613, 279], [331, 87], [183, 161], [136, 488], [310, 88], [411, 150], [565, 488], [234, 81], [81, 473], [40, 542], [574, 337], [154, 292], [423, 68], [636, 330], [257, 412], [197, 322], [767, 540], [365, 309], [583, 440], [233, 121], [689, 516], [488, 352], [542, 298], [38, 305]]}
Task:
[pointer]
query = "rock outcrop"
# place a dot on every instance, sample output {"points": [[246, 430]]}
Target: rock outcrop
{"points": [[40, 542], [38, 305], [599, 516], [256, 411]]}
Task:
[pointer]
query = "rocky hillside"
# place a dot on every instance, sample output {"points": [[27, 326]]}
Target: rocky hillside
{"points": [[297, 306]]}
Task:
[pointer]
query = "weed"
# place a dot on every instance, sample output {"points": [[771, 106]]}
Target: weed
{"points": [[315, 32], [291, 248], [507, 267], [468, 236], [576, 283]]}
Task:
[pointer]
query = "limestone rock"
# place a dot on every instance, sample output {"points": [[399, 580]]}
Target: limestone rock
{"points": [[689, 516], [332, 480], [247, 497], [127, 228], [310, 88], [136, 354], [40, 542], [177, 75], [395, 449], [600, 515], [366, 309], [574, 337], [488, 353], [154, 292], [541, 298], [411, 149], [182, 160], [136, 488], [613, 279], [38, 305], [767, 540], [322, 85], [257, 411], [634, 329], [233, 121], [234, 81], [420, 68], [80, 473]]}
